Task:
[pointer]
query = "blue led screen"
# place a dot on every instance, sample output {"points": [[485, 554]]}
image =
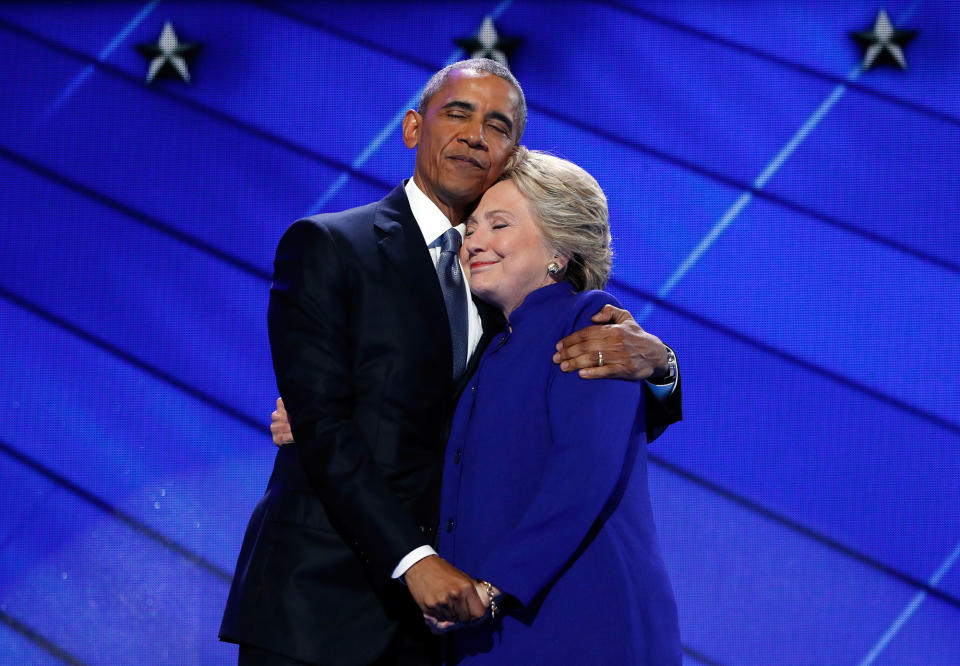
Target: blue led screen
{"points": [[788, 222]]}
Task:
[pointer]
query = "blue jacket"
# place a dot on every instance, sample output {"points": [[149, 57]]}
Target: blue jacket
{"points": [[545, 496]]}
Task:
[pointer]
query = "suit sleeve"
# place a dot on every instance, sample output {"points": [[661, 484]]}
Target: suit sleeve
{"points": [[660, 413], [310, 340], [597, 428]]}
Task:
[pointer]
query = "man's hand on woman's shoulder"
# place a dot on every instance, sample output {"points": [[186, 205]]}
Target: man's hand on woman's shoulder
{"points": [[626, 350], [615, 346]]}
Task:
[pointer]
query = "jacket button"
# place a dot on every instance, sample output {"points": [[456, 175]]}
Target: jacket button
{"points": [[457, 457], [451, 524]]}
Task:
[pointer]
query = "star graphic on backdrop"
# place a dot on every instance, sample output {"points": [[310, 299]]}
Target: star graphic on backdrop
{"points": [[169, 54], [884, 43], [488, 43]]}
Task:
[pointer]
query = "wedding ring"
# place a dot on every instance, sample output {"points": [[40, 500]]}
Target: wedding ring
{"points": [[599, 359]]}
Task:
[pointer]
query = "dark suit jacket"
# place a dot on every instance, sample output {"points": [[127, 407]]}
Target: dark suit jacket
{"points": [[362, 353]]}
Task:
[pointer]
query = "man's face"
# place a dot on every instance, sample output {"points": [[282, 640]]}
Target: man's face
{"points": [[464, 138]]}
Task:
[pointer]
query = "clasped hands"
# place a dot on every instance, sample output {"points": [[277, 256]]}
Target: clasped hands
{"points": [[448, 598]]}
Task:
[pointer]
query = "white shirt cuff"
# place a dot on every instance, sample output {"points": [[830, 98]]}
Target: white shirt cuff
{"points": [[662, 391], [412, 558]]}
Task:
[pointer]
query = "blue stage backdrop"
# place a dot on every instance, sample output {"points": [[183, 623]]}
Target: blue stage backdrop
{"points": [[788, 221]]}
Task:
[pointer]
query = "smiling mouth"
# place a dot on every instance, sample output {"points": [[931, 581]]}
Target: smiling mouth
{"points": [[480, 264], [466, 159]]}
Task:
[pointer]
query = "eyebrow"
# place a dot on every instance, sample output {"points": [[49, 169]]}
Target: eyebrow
{"points": [[458, 103], [467, 106], [500, 211]]}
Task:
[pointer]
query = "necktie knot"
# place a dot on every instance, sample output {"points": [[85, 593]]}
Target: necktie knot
{"points": [[450, 241]]}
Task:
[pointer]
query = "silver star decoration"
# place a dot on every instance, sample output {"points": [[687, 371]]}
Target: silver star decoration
{"points": [[169, 53], [884, 43], [488, 43]]}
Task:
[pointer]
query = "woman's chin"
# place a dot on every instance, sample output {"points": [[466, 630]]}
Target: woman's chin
{"points": [[488, 296]]}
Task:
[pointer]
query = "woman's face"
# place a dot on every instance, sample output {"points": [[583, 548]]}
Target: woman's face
{"points": [[504, 252]]}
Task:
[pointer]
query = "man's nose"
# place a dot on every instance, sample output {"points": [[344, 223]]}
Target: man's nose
{"points": [[475, 136]]}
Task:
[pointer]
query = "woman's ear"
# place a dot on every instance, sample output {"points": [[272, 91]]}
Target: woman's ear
{"points": [[558, 264]]}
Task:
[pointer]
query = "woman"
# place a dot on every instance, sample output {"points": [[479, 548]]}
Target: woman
{"points": [[545, 485]]}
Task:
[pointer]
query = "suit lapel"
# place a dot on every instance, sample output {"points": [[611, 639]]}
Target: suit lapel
{"points": [[401, 242], [493, 323]]}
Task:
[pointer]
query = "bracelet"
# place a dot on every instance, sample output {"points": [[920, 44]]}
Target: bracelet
{"points": [[488, 588]]}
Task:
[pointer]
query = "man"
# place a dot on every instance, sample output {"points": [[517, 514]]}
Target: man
{"points": [[337, 565]]}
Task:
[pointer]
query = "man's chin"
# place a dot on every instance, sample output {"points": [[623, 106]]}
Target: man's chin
{"points": [[467, 190]]}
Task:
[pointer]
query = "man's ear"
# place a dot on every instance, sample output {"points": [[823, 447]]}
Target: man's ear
{"points": [[411, 128]]}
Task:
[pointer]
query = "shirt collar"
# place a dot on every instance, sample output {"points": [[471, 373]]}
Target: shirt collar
{"points": [[431, 220]]}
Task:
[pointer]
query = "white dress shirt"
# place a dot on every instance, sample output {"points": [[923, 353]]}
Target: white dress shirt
{"points": [[433, 224]]}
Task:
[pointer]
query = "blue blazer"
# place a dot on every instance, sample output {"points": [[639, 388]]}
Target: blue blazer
{"points": [[545, 496]]}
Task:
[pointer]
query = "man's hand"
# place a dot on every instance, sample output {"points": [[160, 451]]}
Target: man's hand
{"points": [[280, 425], [443, 592], [627, 350], [443, 626]]}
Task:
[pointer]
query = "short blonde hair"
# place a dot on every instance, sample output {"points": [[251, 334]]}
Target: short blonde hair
{"points": [[571, 210]]}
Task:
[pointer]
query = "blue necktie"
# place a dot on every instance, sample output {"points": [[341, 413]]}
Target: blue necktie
{"points": [[454, 294]]}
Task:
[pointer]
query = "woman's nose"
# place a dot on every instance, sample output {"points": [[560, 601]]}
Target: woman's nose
{"points": [[473, 243]]}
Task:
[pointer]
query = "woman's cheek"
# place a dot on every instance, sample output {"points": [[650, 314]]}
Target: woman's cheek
{"points": [[479, 283]]}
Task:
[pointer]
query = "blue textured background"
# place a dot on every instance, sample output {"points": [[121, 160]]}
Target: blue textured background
{"points": [[790, 225]]}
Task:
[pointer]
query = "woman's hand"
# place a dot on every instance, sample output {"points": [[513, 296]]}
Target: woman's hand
{"points": [[440, 627], [280, 425]]}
